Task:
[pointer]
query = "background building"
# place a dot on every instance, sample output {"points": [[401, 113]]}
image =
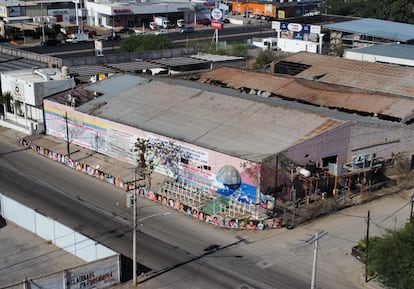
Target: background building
{"points": [[27, 89]]}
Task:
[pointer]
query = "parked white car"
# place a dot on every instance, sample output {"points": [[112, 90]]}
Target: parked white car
{"points": [[162, 31]]}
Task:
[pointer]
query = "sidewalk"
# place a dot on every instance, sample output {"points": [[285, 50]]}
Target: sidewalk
{"points": [[119, 169], [108, 169]]}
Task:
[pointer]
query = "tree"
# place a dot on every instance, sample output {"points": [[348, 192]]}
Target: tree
{"points": [[392, 258], [73, 132], [265, 57], [392, 10], [56, 28], [153, 153], [235, 49], [138, 43]]}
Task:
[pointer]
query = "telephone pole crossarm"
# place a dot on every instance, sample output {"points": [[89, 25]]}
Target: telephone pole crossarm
{"points": [[315, 240]]}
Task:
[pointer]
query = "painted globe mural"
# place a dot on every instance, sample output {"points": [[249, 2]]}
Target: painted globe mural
{"points": [[229, 176]]}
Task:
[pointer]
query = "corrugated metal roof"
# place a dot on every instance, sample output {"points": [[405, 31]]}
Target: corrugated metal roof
{"points": [[89, 70], [243, 128], [376, 77], [30, 75], [214, 57], [11, 63], [313, 92], [377, 28], [397, 50], [178, 61], [134, 66]]}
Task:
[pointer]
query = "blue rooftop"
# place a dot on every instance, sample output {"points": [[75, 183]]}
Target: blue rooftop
{"points": [[376, 28]]}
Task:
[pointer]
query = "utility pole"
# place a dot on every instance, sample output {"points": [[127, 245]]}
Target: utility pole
{"points": [[67, 135], [315, 240], [134, 232], [367, 248], [43, 22], [412, 207], [293, 197]]}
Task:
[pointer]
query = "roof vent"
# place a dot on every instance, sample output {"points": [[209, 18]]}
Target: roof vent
{"points": [[65, 72]]}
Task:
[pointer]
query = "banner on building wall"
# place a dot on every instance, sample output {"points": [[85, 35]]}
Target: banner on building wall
{"points": [[18, 91], [281, 14], [54, 12], [297, 31], [95, 278], [194, 154], [14, 12], [268, 8], [121, 145]]}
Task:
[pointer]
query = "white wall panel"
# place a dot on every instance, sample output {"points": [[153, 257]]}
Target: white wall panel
{"points": [[44, 227], [64, 238], [85, 248], [49, 229], [19, 214]]}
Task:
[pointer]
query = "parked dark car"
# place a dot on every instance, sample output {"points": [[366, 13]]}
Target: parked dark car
{"points": [[189, 29], [113, 36], [127, 31]]}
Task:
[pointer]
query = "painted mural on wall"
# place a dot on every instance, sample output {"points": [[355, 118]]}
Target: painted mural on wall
{"points": [[229, 183], [199, 167], [80, 131]]}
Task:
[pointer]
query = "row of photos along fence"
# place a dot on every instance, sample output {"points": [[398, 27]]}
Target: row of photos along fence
{"points": [[197, 198]]}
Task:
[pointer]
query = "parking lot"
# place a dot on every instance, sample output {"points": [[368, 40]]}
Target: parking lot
{"points": [[24, 255]]}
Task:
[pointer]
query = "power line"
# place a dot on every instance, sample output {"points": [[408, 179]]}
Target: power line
{"points": [[398, 210], [72, 244]]}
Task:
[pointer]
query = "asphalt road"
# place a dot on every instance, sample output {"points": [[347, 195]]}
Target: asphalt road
{"points": [[177, 251], [231, 34], [174, 250]]}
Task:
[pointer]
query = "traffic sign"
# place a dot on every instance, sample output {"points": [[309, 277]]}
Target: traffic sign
{"points": [[216, 14]]}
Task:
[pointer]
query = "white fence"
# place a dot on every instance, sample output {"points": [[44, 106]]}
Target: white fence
{"points": [[51, 230]]}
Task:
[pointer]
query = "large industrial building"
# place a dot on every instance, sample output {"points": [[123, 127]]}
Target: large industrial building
{"points": [[252, 135]]}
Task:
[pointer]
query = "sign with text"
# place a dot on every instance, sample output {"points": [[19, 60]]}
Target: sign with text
{"points": [[296, 30], [121, 10], [217, 25], [103, 277], [216, 14]]}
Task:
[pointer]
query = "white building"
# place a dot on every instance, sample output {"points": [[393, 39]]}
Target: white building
{"points": [[27, 89], [112, 14], [392, 53]]}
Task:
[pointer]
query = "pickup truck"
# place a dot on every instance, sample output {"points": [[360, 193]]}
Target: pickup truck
{"points": [[77, 37]]}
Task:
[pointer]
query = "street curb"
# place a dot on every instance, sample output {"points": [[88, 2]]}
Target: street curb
{"points": [[372, 285]]}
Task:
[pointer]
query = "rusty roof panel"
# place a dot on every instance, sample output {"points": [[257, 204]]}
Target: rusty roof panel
{"points": [[313, 92], [376, 77], [239, 127]]}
